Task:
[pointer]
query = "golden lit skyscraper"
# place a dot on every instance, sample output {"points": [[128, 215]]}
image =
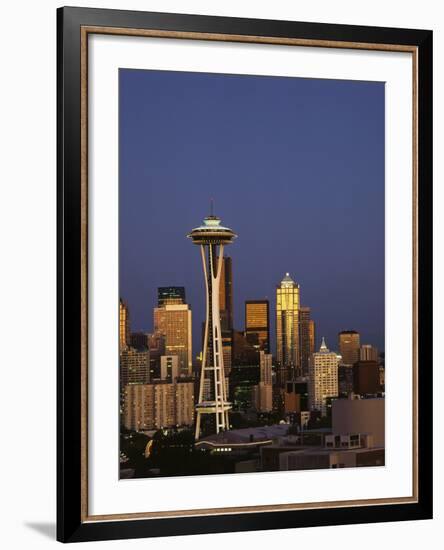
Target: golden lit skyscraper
{"points": [[287, 323], [173, 321], [323, 378], [307, 337], [257, 323], [349, 345], [124, 330]]}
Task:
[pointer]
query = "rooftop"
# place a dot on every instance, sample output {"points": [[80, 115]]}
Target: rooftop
{"points": [[212, 231]]}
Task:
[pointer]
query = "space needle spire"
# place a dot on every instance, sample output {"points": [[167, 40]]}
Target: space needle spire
{"points": [[211, 236]]}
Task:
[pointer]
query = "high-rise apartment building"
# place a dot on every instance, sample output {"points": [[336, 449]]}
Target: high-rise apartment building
{"points": [[124, 326], [349, 344], [306, 337], [287, 323], [134, 366], [170, 295], [184, 406], [257, 323], [323, 378], [173, 321], [161, 404], [368, 353]]}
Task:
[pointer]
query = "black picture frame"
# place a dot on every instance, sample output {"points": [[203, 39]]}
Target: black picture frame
{"points": [[70, 525]]}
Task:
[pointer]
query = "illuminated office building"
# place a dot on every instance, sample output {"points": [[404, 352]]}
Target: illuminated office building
{"points": [[264, 390], [170, 295], [134, 366], [323, 378], [257, 323], [368, 353], [173, 321], [306, 337], [124, 327], [287, 323], [349, 344], [211, 237]]}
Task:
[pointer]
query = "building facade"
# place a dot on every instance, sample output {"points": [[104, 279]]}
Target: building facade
{"points": [[368, 353], [134, 366], [323, 378], [226, 295], [264, 390], [306, 337], [160, 404], [124, 326], [173, 321], [287, 323], [169, 367], [366, 378], [349, 346], [170, 295], [257, 323], [364, 416]]}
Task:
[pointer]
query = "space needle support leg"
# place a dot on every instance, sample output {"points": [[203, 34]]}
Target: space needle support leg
{"points": [[204, 351]]}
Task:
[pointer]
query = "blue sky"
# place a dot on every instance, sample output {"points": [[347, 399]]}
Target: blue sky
{"points": [[296, 169]]}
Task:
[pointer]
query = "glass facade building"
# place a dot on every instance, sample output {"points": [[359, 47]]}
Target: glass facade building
{"points": [[287, 323], [257, 323]]}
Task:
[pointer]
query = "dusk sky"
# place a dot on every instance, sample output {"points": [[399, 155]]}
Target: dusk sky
{"points": [[296, 169]]}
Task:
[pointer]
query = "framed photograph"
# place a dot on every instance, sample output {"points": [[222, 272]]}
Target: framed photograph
{"points": [[244, 274]]}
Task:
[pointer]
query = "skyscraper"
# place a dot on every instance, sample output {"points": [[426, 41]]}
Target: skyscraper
{"points": [[209, 236], [264, 390], [368, 353], [134, 366], [169, 367], [160, 404], [124, 327], [366, 378], [170, 295], [287, 323], [139, 340], [226, 311], [226, 295], [257, 323], [349, 344], [307, 337], [173, 321], [323, 378]]}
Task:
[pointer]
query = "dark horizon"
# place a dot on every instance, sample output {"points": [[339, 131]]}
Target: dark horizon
{"points": [[296, 169]]}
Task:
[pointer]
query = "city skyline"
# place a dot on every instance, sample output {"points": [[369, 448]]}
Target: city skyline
{"points": [[331, 248]]}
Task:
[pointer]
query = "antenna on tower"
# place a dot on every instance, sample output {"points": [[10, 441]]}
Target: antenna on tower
{"points": [[211, 207]]}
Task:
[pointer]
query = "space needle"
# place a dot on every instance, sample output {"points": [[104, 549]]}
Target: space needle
{"points": [[211, 236]]}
